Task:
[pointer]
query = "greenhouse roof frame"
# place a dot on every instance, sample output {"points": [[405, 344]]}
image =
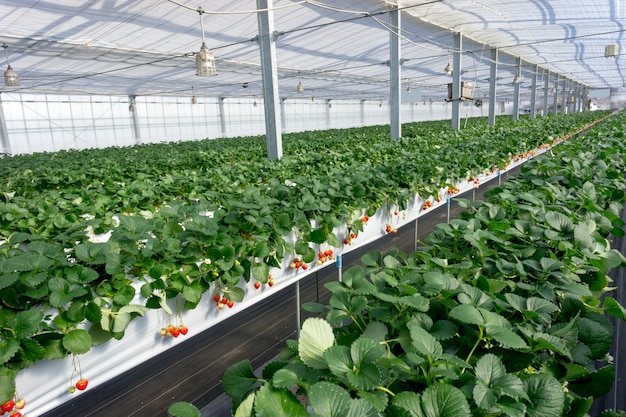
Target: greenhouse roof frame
{"points": [[338, 50]]}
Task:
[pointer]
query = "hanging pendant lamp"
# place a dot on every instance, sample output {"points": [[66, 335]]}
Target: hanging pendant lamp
{"points": [[10, 76], [448, 68], [205, 61]]}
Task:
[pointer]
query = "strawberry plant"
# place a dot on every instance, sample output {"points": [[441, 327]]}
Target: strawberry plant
{"points": [[500, 312], [90, 240]]}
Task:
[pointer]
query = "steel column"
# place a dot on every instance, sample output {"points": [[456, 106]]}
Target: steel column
{"points": [[269, 72], [394, 77], [493, 75]]}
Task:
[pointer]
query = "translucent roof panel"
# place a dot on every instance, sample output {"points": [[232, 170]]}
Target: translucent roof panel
{"points": [[337, 49]]}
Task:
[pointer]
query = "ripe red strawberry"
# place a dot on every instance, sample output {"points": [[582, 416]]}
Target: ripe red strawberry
{"points": [[305, 267], [216, 298], [16, 414], [183, 329], [175, 332], [224, 300], [8, 406], [81, 384], [257, 285], [230, 304]]}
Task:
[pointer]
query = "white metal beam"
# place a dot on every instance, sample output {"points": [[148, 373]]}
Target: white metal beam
{"points": [[493, 75], [546, 93], [269, 75], [456, 81], [533, 93], [516, 86], [394, 77], [4, 133]]}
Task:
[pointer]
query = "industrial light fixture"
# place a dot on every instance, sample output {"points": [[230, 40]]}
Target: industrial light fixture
{"points": [[448, 68], [205, 61], [10, 76], [254, 104], [131, 107], [299, 87], [194, 100], [611, 50], [516, 79]]}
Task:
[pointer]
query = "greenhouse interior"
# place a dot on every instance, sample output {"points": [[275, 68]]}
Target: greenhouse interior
{"points": [[348, 208]]}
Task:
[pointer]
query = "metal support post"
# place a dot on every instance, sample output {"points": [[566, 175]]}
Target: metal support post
{"points": [[546, 93], [394, 65], [533, 94], [4, 133], [456, 81], [132, 107], [493, 75], [269, 72], [516, 86]]}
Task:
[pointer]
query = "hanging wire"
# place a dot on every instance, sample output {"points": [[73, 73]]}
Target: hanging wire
{"points": [[238, 11], [361, 15]]}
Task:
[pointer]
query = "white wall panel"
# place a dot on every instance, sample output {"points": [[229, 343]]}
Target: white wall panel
{"points": [[48, 123]]}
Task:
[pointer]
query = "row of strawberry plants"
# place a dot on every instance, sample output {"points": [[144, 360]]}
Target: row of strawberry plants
{"points": [[502, 312], [182, 218]]}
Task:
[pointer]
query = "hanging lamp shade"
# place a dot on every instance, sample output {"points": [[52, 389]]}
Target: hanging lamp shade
{"points": [[448, 69], [300, 87], [516, 80], [205, 62], [10, 76]]}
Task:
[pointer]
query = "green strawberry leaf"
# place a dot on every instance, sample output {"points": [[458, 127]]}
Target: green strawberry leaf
{"points": [[409, 402], [246, 408], [77, 341], [545, 396], [442, 400], [271, 402], [239, 380], [7, 384], [183, 409], [329, 400]]}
